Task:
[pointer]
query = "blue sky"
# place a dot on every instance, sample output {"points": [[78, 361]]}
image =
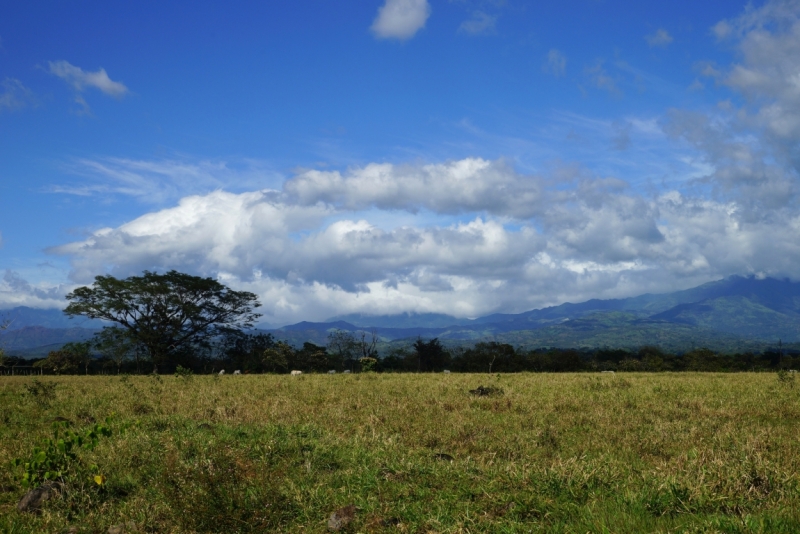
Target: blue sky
{"points": [[459, 156]]}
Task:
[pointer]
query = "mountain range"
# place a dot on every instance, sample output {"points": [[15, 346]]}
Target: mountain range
{"points": [[734, 314]]}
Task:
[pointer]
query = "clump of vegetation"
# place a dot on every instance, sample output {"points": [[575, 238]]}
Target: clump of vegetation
{"points": [[487, 391], [56, 458], [183, 373], [41, 390], [218, 490], [368, 364], [786, 377]]}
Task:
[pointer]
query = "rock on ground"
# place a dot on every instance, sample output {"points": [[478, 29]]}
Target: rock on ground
{"points": [[35, 498]]}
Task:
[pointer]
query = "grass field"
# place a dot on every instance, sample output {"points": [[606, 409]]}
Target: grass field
{"points": [[414, 453]]}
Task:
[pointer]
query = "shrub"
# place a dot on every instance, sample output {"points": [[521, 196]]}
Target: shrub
{"points": [[183, 372]]}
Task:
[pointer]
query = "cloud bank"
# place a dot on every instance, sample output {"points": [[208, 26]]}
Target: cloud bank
{"points": [[16, 291]]}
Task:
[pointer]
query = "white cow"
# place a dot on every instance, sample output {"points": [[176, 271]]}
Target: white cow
{"points": [[237, 372], [222, 372], [295, 373]]}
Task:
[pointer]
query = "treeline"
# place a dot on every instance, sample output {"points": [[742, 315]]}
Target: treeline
{"points": [[262, 353]]}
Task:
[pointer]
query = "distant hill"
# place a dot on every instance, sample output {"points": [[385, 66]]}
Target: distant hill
{"points": [[734, 314], [402, 320], [22, 316], [37, 341]]}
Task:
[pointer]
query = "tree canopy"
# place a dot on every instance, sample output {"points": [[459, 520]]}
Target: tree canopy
{"points": [[167, 314]]}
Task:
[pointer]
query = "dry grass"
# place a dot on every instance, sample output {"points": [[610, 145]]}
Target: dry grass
{"points": [[553, 453]]}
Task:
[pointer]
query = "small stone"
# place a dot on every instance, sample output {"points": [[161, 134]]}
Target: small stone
{"points": [[342, 517], [443, 456], [33, 500]]}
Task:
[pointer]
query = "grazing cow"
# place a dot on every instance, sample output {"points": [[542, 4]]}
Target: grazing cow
{"points": [[612, 372], [331, 372], [347, 371], [237, 372], [296, 373], [446, 372], [222, 372]]}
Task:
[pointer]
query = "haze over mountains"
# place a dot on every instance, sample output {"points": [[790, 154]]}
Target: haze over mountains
{"points": [[733, 314]]}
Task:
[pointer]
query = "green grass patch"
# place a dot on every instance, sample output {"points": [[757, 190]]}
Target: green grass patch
{"points": [[414, 453]]}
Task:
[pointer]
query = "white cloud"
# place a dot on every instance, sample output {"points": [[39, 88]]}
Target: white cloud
{"points": [[556, 63], [660, 37], [769, 71], [80, 79], [14, 95], [16, 291], [401, 19], [479, 24], [468, 185], [721, 30], [752, 150]]}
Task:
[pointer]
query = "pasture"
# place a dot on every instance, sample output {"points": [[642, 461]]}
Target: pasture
{"points": [[625, 452]]}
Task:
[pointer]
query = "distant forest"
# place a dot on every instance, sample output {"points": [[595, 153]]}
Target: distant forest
{"points": [[262, 353]]}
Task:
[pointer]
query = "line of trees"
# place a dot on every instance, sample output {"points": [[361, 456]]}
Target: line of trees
{"points": [[262, 353]]}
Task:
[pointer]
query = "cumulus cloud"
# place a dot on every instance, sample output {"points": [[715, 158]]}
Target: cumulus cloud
{"points": [[80, 79], [14, 95], [479, 24], [400, 19], [311, 251], [468, 185], [660, 37], [556, 63]]}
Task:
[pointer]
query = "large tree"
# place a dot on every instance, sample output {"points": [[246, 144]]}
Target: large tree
{"points": [[168, 314]]}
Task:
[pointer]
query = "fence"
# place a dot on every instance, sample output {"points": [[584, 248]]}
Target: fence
{"points": [[20, 370]]}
